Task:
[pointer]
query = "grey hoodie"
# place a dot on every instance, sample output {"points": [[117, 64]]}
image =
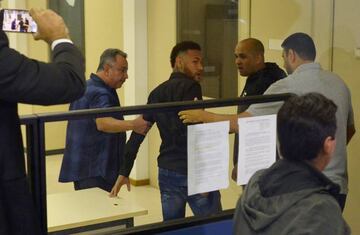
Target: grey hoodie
{"points": [[289, 198]]}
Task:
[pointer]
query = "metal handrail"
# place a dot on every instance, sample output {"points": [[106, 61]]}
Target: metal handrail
{"points": [[168, 106], [35, 132]]}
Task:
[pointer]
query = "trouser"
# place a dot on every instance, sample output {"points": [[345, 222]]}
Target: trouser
{"points": [[93, 182], [17, 210], [174, 195]]}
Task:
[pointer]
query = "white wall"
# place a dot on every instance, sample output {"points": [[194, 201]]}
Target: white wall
{"points": [[161, 39]]}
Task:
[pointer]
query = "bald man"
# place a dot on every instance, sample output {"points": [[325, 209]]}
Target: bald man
{"points": [[249, 59]]}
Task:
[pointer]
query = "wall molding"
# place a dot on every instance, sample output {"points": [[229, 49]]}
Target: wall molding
{"points": [[139, 182]]}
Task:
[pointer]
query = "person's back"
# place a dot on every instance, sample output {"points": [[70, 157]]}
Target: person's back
{"points": [[311, 78], [284, 200], [308, 76], [293, 196], [173, 133]]}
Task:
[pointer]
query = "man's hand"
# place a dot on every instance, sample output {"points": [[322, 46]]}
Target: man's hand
{"points": [[121, 180], [192, 116], [50, 26], [141, 126]]}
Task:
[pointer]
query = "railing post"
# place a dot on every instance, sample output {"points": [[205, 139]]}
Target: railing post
{"points": [[36, 170]]}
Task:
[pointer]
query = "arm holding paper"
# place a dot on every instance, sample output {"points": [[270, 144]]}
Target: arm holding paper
{"points": [[200, 115]]}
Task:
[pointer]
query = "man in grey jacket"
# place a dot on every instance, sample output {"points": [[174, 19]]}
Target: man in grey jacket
{"points": [[293, 196]]}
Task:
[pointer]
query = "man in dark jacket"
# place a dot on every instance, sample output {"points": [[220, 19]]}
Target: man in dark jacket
{"points": [[293, 196], [183, 84], [249, 59], [23, 80], [94, 146]]}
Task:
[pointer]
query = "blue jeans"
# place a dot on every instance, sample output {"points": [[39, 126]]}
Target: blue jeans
{"points": [[174, 195]]}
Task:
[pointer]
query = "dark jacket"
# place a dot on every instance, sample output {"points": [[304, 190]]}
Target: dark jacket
{"points": [[173, 149], [89, 152], [289, 198], [257, 84], [23, 80]]}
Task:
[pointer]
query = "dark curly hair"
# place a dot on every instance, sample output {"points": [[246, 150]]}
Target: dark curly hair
{"points": [[182, 47]]}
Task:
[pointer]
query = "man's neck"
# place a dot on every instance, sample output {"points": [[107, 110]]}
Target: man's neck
{"points": [[102, 76], [261, 66], [318, 163]]}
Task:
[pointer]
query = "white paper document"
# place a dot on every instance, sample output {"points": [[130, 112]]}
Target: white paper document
{"points": [[208, 157], [257, 145]]}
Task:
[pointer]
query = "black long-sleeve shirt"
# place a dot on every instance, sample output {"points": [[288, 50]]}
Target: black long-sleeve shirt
{"points": [[257, 84], [173, 149]]}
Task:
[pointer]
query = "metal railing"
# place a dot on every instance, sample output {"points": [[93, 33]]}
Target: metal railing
{"points": [[35, 134]]}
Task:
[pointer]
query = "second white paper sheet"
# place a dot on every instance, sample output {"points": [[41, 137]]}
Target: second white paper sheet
{"points": [[208, 157], [257, 145]]}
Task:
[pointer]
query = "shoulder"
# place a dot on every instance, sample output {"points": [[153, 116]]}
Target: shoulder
{"points": [[335, 78], [67, 49], [95, 89], [273, 71], [325, 212], [65, 46], [280, 86]]}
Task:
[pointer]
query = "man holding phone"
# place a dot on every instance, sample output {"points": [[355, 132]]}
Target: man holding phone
{"points": [[24, 80]]}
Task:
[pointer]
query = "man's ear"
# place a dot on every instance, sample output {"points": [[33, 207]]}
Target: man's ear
{"points": [[107, 67], [179, 63], [291, 54], [259, 58], [329, 146]]}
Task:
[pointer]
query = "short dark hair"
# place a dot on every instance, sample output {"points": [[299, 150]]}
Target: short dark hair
{"points": [[302, 44], [182, 47], [303, 124], [109, 56]]}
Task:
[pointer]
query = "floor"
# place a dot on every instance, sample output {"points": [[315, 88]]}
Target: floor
{"points": [[147, 196]]}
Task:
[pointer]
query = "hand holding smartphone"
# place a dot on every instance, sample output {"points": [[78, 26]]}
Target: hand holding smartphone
{"points": [[47, 26], [20, 21]]}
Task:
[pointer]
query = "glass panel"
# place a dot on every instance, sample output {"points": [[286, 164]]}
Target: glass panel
{"points": [[73, 13], [213, 24]]}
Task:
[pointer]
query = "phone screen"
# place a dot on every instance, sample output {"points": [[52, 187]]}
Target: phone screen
{"points": [[18, 21]]}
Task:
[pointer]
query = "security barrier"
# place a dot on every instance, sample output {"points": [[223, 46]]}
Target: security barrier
{"points": [[35, 133]]}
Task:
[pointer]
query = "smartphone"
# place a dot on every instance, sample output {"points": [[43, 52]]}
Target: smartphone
{"points": [[15, 20]]}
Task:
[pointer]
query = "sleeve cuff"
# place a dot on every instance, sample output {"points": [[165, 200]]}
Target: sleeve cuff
{"points": [[58, 41]]}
